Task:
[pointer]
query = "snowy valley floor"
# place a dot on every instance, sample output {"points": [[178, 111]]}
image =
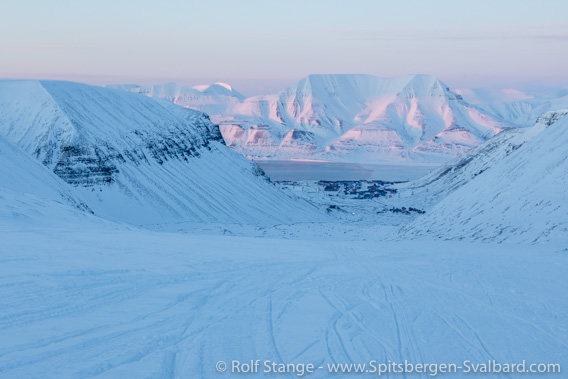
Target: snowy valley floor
{"points": [[109, 302]]}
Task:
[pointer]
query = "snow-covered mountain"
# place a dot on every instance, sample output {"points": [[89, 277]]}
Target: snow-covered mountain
{"points": [[520, 108], [510, 188], [133, 159], [414, 118], [526, 112], [363, 118], [492, 95], [212, 99]]}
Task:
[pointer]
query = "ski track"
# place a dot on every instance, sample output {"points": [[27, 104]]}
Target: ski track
{"points": [[148, 304]]}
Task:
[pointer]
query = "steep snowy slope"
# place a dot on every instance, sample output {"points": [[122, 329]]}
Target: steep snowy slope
{"points": [[438, 184], [513, 188], [134, 160], [212, 99], [358, 118], [30, 194], [19, 172]]}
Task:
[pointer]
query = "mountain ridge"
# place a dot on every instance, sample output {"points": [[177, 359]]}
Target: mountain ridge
{"points": [[354, 117]]}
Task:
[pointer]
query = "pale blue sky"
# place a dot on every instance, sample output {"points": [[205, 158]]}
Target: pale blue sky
{"points": [[260, 46]]}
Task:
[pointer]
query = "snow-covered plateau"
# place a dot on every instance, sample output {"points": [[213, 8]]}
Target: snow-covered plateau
{"points": [[136, 244]]}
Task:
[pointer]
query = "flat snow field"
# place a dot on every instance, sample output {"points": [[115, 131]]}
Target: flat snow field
{"points": [[136, 304]]}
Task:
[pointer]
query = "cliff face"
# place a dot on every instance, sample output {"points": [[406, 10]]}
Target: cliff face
{"points": [[83, 163]]}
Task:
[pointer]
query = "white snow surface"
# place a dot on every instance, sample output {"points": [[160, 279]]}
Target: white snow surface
{"points": [[512, 188], [112, 303], [135, 160]]}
